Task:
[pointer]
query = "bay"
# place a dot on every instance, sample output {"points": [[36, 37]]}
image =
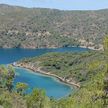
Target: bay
{"points": [[51, 85], [14, 54]]}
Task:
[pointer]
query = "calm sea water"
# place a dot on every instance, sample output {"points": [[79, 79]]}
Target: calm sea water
{"points": [[52, 86], [11, 55]]}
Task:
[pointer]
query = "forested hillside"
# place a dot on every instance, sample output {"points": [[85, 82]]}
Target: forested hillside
{"points": [[36, 27], [89, 68], [72, 67]]}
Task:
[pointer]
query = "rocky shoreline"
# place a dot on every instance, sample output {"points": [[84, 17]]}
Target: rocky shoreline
{"points": [[54, 47], [39, 70]]}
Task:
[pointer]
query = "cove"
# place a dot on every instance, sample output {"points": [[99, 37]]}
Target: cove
{"points": [[52, 86]]}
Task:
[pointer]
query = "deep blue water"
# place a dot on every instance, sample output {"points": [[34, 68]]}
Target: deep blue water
{"points": [[11, 55], [53, 87]]}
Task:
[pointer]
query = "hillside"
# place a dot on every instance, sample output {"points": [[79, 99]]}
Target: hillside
{"points": [[37, 28], [72, 67], [90, 95], [89, 68]]}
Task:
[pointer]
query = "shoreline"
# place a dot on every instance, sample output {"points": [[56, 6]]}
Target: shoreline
{"points": [[90, 48], [38, 70]]}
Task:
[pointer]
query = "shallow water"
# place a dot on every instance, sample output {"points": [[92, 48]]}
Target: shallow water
{"points": [[51, 85]]}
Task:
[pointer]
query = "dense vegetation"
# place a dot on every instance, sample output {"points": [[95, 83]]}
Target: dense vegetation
{"points": [[93, 92], [36, 28], [90, 95], [14, 96], [77, 67]]}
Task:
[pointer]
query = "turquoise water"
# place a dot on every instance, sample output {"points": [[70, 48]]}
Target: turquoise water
{"points": [[52, 86]]}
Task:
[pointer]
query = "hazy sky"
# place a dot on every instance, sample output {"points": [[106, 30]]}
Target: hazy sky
{"points": [[60, 4]]}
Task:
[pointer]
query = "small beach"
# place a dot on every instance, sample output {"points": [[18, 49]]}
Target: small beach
{"points": [[52, 85], [39, 70]]}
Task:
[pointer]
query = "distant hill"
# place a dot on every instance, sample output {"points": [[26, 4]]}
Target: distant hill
{"points": [[36, 27]]}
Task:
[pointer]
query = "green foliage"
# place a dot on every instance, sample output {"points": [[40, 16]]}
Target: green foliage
{"points": [[106, 45], [37, 99], [105, 87], [8, 97], [89, 68], [6, 77], [77, 67], [21, 88]]}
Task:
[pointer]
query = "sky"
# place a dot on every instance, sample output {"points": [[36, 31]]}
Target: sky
{"points": [[60, 4]]}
